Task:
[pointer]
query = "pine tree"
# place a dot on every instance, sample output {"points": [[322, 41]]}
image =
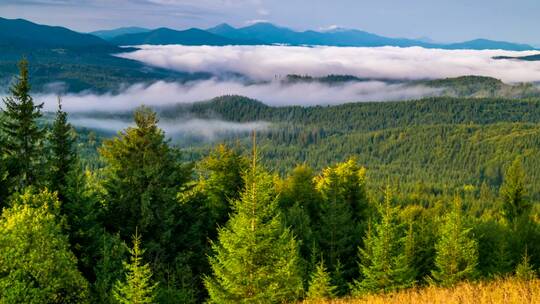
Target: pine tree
{"points": [[22, 137], [63, 155], [457, 251], [524, 269], [513, 193], [384, 260], [320, 285], [137, 287], [255, 259]]}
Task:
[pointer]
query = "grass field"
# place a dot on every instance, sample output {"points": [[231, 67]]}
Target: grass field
{"points": [[507, 291]]}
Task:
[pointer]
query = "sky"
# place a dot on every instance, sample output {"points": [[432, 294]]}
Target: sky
{"points": [[440, 20]]}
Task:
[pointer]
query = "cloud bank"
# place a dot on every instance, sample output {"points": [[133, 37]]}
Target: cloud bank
{"points": [[268, 62]]}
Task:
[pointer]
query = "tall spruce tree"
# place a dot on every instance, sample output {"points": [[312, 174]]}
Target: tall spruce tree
{"points": [[385, 259], [137, 287], [142, 177], [22, 136], [456, 251], [63, 156], [255, 258]]}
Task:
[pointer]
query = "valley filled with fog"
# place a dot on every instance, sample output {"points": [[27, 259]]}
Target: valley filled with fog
{"points": [[262, 73]]}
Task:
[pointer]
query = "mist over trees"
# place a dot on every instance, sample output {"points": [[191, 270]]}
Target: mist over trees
{"points": [[139, 224]]}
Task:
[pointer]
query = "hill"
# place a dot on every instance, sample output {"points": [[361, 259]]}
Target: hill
{"points": [[16, 34], [110, 34]]}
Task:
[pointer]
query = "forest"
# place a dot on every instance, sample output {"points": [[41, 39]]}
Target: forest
{"points": [[286, 215]]}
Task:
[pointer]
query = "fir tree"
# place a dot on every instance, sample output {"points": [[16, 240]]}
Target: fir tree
{"points": [[456, 251], [63, 155], [22, 137], [385, 258], [255, 259], [137, 287], [320, 285]]}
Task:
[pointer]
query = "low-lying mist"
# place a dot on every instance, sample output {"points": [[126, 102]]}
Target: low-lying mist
{"points": [[203, 129], [275, 93]]}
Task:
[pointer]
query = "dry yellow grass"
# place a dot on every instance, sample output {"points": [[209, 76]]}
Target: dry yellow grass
{"points": [[508, 291]]}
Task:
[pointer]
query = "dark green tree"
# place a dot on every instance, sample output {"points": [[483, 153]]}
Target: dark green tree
{"points": [[457, 252], [63, 155], [142, 177], [137, 288], [22, 136], [255, 259]]}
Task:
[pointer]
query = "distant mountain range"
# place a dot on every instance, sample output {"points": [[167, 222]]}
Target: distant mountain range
{"points": [[267, 33], [20, 33]]}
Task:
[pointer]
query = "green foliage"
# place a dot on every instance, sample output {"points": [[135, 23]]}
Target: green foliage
{"points": [[36, 264], [255, 259], [385, 259], [320, 285], [137, 287], [457, 251], [109, 268], [221, 180], [22, 137]]}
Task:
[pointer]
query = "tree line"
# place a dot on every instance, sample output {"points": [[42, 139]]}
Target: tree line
{"points": [[145, 226]]}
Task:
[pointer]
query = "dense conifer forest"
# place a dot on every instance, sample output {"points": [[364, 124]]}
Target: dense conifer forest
{"points": [[329, 202]]}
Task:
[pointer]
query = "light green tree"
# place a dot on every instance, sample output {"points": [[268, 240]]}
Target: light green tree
{"points": [[524, 269], [456, 251], [255, 259], [320, 285], [36, 265], [137, 287]]}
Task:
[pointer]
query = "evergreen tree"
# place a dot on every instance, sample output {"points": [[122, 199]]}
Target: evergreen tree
{"points": [[457, 251], [63, 155], [255, 259], [137, 287], [513, 193], [36, 265], [320, 285], [385, 258], [22, 137]]}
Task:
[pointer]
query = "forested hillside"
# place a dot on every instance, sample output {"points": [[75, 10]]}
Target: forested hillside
{"points": [[350, 201]]}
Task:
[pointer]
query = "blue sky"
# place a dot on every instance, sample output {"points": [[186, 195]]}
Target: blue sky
{"points": [[441, 20]]}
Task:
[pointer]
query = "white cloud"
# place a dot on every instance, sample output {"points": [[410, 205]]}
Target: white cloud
{"points": [[265, 62]]}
